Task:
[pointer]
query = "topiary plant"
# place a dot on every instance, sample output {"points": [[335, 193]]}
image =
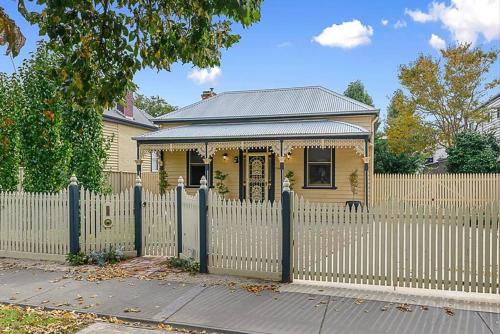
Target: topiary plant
{"points": [[354, 182], [219, 185]]}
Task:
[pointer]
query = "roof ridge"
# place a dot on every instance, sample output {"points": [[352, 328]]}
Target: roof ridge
{"points": [[342, 96]]}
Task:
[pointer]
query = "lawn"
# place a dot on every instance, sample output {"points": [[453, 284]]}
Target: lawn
{"points": [[18, 320]]}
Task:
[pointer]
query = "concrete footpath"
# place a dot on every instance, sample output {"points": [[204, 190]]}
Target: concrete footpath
{"points": [[232, 309]]}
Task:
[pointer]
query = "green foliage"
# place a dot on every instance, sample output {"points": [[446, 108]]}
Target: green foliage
{"points": [[354, 182], [474, 152], [187, 265], [290, 175], [356, 90], [77, 259], [10, 96], [45, 153], [448, 92], [163, 175], [219, 185], [109, 256], [154, 105], [407, 131], [388, 162], [105, 42]]}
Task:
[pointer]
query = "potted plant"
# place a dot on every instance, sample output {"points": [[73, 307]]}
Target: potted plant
{"points": [[219, 185], [354, 183]]}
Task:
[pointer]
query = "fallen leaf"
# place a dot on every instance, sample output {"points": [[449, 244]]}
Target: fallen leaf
{"points": [[404, 307], [449, 311], [132, 310]]}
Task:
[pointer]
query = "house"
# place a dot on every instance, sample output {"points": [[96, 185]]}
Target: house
{"points": [[257, 137], [493, 124], [120, 124]]}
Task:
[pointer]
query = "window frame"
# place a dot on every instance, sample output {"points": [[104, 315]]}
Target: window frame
{"points": [[157, 165], [306, 170], [188, 168]]}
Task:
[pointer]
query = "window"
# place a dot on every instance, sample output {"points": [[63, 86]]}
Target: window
{"points": [[498, 112], [155, 163], [196, 168], [319, 168]]}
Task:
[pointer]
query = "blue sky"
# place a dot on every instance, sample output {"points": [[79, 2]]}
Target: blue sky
{"points": [[281, 50]]}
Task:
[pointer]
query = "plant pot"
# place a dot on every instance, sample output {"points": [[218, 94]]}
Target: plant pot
{"points": [[355, 204]]}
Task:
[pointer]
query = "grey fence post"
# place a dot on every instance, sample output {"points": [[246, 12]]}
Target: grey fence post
{"points": [[203, 196], [138, 215], [74, 214], [178, 201], [286, 250]]}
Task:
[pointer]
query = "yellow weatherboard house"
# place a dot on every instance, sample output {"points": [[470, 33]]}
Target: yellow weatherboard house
{"points": [[311, 135]]}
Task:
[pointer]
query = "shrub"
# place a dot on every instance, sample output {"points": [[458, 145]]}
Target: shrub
{"points": [[187, 265], [474, 152], [111, 256], [77, 259]]}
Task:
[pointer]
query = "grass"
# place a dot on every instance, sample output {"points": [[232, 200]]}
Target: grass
{"points": [[18, 320]]}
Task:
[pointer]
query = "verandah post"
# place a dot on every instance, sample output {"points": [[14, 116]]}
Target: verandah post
{"points": [[203, 196], [138, 215], [286, 208], [74, 214], [178, 203]]}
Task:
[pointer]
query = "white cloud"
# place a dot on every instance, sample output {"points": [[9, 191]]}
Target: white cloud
{"points": [[202, 76], [346, 35], [285, 44], [437, 42], [400, 24], [384, 22], [465, 19]]}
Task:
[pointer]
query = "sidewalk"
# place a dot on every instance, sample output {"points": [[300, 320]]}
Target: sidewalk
{"points": [[231, 309]]}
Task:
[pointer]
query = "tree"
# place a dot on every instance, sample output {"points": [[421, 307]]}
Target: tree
{"points": [[10, 34], [407, 131], [103, 43], [474, 152], [9, 134], [386, 161], [448, 92], [45, 153], [356, 90], [57, 138], [154, 105]]}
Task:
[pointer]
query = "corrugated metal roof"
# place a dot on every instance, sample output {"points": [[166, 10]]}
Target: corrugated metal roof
{"points": [[281, 129], [141, 118], [268, 103]]}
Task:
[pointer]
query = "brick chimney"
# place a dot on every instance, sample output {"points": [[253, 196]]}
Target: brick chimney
{"points": [[128, 109], [208, 94]]}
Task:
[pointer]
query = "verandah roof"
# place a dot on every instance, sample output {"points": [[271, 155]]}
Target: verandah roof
{"points": [[256, 130]]}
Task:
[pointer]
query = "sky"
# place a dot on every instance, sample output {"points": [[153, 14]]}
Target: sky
{"points": [[325, 43]]}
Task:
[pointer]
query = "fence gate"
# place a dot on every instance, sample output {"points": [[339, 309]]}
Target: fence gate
{"points": [[244, 237], [190, 226], [159, 223]]}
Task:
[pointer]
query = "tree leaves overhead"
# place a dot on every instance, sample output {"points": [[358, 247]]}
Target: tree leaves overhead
{"points": [[10, 34], [449, 91], [105, 42]]}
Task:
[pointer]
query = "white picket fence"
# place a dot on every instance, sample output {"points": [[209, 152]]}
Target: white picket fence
{"points": [[107, 221], [34, 225], [159, 219], [436, 189], [446, 248], [244, 238], [190, 226]]}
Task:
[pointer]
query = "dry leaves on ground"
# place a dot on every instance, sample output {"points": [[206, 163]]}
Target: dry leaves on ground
{"points": [[404, 307], [258, 288], [449, 311]]}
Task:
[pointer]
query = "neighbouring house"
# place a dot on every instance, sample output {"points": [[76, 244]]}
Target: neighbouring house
{"points": [[120, 124], [257, 137], [493, 124]]}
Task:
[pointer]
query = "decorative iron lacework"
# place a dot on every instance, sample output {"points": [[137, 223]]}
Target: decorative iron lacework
{"points": [[274, 145]]}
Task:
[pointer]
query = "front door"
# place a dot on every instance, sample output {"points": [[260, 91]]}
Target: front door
{"points": [[257, 176]]}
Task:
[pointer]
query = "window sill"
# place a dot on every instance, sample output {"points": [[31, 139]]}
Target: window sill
{"points": [[313, 187]]}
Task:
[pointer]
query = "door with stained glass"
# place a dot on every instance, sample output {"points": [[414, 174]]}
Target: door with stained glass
{"points": [[257, 176]]}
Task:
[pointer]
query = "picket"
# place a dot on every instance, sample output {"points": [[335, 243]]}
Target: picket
{"points": [[395, 244]]}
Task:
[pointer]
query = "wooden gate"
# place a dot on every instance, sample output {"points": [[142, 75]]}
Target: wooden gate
{"points": [[190, 226], [159, 222], [244, 237]]}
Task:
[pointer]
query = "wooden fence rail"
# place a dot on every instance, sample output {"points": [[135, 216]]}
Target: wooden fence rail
{"points": [[121, 181], [34, 225], [436, 189], [419, 246]]}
